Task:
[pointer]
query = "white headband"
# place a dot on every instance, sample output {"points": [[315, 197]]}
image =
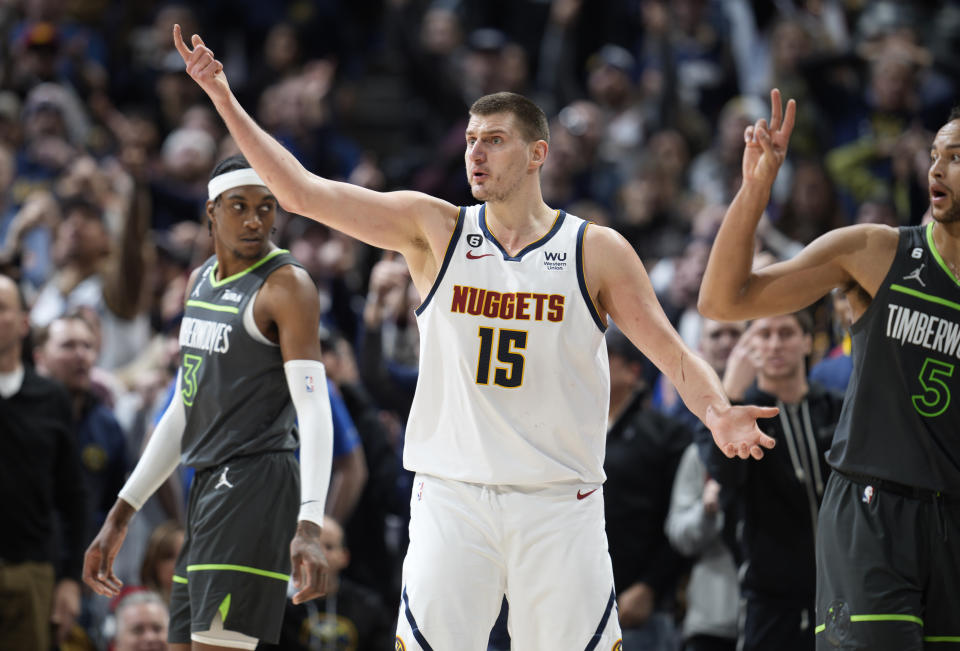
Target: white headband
{"points": [[220, 184]]}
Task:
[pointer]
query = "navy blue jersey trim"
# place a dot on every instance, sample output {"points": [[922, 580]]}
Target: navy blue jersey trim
{"points": [[557, 223], [417, 635], [582, 281], [451, 245], [595, 640]]}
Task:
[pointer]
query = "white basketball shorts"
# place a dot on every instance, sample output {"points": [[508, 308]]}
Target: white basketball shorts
{"points": [[545, 548]]}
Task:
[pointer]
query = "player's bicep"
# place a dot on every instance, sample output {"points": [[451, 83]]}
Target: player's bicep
{"points": [[625, 293], [398, 221], [843, 257], [294, 306]]}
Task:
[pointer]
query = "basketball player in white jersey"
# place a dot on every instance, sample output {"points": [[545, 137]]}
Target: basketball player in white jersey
{"points": [[508, 425]]}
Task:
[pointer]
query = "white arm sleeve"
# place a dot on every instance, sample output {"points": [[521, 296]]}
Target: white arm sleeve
{"points": [[160, 457], [307, 381]]}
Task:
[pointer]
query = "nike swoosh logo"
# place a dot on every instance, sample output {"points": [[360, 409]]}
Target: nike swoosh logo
{"points": [[471, 256], [581, 496]]}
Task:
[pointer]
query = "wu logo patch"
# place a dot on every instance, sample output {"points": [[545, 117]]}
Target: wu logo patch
{"points": [[223, 479], [917, 253], [915, 274], [474, 240], [555, 259]]}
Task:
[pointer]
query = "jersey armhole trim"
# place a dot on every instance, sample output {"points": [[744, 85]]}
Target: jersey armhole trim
{"points": [[582, 281], [451, 246]]}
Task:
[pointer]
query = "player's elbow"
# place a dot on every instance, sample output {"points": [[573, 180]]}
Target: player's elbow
{"points": [[709, 307]]}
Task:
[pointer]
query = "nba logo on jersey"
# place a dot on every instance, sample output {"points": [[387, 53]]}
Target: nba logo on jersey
{"points": [[867, 495], [420, 492], [309, 383]]}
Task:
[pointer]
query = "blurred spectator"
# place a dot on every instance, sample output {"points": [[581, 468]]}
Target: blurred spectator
{"points": [[811, 208], [694, 526], [350, 616], [179, 191], [160, 558], [65, 351], [97, 273], [374, 564], [142, 620], [642, 453], [775, 501], [41, 493], [574, 171]]}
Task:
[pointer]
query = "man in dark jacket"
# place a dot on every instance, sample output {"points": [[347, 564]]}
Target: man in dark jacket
{"points": [[776, 500], [643, 450], [39, 479]]}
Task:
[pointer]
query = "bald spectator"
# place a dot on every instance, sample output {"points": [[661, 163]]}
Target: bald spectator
{"points": [[39, 479], [142, 621]]}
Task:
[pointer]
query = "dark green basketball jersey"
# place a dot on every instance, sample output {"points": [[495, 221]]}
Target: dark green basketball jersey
{"points": [[901, 417], [233, 386]]}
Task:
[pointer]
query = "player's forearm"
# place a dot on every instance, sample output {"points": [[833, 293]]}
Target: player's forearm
{"points": [[161, 456], [731, 260], [698, 385], [280, 170], [307, 383]]}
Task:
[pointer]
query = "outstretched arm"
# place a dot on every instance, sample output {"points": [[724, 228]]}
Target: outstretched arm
{"points": [[623, 290], [409, 222], [846, 257]]}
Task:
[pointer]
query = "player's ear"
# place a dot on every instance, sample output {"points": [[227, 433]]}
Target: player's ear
{"points": [[539, 152], [209, 209]]}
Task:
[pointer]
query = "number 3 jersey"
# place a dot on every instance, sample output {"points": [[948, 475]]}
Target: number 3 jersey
{"points": [[232, 383], [514, 383], [901, 417]]}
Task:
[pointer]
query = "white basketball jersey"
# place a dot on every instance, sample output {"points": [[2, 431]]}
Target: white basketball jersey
{"points": [[514, 384]]}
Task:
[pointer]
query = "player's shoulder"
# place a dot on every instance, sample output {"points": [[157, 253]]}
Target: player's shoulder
{"points": [[290, 279]]}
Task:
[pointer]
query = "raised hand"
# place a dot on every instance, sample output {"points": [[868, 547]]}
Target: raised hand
{"points": [[766, 144], [735, 430], [202, 67]]}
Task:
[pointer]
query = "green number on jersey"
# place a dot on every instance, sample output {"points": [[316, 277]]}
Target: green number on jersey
{"points": [[191, 364], [936, 394]]}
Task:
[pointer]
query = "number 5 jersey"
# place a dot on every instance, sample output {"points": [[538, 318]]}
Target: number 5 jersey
{"points": [[514, 383], [901, 419]]}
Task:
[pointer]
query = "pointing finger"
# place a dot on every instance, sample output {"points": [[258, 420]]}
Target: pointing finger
{"points": [[179, 44]]}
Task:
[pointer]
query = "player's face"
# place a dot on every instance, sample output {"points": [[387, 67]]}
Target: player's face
{"points": [[944, 174], [782, 346], [242, 220], [497, 157]]}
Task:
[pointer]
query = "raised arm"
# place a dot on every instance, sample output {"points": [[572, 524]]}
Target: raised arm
{"points": [[622, 289], [409, 222], [856, 256]]}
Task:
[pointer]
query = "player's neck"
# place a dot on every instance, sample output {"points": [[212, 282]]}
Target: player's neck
{"points": [[229, 264], [946, 237], [519, 221]]}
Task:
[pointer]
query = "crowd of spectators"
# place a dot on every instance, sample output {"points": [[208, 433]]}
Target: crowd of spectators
{"points": [[106, 146]]}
